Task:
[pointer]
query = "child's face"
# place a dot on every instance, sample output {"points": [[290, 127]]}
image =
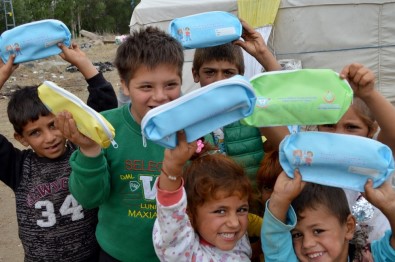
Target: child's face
{"points": [[214, 71], [150, 88], [351, 123], [223, 221], [43, 137], [319, 236]]}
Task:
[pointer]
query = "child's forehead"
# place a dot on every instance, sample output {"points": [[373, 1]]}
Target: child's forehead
{"points": [[219, 62]]}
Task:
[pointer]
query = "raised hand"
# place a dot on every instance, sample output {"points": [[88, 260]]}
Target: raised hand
{"points": [[360, 78], [7, 69]]}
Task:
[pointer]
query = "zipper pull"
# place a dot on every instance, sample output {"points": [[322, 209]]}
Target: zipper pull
{"points": [[144, 139], [113, 143]]}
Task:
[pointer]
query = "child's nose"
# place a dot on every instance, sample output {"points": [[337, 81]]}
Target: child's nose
{"points": [[233, 221], [159, 94], [50, 135], [308, 241]]}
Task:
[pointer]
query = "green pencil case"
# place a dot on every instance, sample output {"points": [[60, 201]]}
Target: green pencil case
{"points": [[299, 97]]}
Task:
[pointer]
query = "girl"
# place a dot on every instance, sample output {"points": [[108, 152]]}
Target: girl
{"points": [[206, 221]]}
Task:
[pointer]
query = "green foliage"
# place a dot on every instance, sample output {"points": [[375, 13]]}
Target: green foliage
{"points": [[101, 16]]}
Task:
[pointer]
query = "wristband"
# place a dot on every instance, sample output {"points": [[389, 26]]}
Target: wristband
{"points": [[172, 178]]}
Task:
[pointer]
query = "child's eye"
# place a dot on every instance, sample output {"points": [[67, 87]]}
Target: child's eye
{"points": [[145, 87], [220, 211], [52, 125], [328, 126], [172, 85], [296, 235], [229, 73], [34, 133], [209, 72], [318, 231], [242, 210], [352, 127]]}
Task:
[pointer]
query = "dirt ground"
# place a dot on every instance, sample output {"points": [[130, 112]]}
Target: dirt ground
{"points": [[33, 73]]}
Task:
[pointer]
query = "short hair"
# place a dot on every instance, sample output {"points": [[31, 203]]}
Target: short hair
{"points": [[25, 106], [226, 52], [148, 47], [269, 170], [210, 174], [364, 112], [315, 195]]}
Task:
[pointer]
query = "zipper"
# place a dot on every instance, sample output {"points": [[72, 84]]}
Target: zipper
{"points": [[80, 103], [156, 111]]}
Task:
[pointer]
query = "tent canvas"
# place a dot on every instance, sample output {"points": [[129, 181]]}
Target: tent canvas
{"points": [[334, 33]]}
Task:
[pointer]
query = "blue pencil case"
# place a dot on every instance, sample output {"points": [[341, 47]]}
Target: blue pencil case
{"points": [[199, 112], [206, 29], [33, 41], [338, 160]]}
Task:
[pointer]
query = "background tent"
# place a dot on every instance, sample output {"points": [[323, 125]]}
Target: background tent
{"points": [[333, 33], [319, 33]]}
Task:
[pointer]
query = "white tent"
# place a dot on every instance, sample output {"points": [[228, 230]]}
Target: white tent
{"points": [[333, 33], [160, 12], [320, 33]]}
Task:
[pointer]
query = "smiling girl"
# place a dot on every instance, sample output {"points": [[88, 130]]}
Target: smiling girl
{"points": [[207, 220]]}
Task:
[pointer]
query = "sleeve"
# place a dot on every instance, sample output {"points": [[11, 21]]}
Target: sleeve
{"points": [[89, 180], [101, 94], [11, 163], [173, 233], [276, 237], [382, 249]]}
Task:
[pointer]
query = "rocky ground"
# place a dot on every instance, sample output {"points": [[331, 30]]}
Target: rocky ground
{"points": [[33, 73]]}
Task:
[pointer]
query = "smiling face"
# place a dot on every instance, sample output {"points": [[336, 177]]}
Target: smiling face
{"points": [[42, 136], [223, 221], [149, 88], [319, 236], [351, 123], [213, 71]]}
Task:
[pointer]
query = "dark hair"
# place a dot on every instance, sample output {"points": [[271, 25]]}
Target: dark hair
{"points": [[269, 170], [226, 52], [150, 47], [210, 174], [25, 106], [315, 195]]}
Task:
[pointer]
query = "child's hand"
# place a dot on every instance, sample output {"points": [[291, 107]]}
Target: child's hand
{"points": [[174, 161], [285, 191], [75, 56], [65, 123], [382, 197], [255, 45], [360, 78], [7, 69]]}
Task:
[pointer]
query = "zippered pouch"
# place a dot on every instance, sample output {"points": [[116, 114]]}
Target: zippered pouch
{"points": [[35, 40], [299, 97], [338, 160], [206, 29], [199, 112], [89, 122]]}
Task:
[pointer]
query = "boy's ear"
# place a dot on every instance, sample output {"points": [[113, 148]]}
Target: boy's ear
{"points": [[125, 87], [351, 225], [373, 130], [195, 75], [21, 139]]}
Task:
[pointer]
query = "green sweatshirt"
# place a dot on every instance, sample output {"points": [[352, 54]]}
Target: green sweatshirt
{"points": [[121, 183]]}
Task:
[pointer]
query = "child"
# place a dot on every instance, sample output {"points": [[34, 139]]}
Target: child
{"points": [[267, 174], [206, 221], [320, 223], [211, 64], [52, 224], [120, 181]]}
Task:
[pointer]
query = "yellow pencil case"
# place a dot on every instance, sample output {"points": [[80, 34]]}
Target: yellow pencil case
{"points": [[89, 122]]}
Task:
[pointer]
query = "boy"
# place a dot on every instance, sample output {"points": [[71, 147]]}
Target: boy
{"points": [[52, 225], [121, 181], [321, 226], [211, 64]]}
